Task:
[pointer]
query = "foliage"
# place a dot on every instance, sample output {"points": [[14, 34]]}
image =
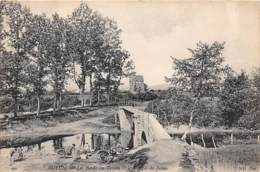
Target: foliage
{"points": [[252, 110], [234, 97], [83, 22], [96, 49], [15, 59], [112, 59], [39, 52], [37, 69], [145, 96], [177, 109], [58, 60], [2, 35], [200, 75], [209, 93], [236, 105]]}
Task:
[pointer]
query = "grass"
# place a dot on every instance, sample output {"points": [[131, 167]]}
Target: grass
{"points": [[231, 158]]}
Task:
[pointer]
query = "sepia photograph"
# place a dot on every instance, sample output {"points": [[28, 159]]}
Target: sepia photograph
{"points": [[129, 86]]}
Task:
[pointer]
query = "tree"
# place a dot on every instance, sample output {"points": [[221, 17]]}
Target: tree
{"points": [[37, 69], [250, 102], [234, 97], [58, 58], [113, 58], [2, 49], [201, 74], [14, 61], [123, 68], [2, 6], [256, 80], [83, 22]]}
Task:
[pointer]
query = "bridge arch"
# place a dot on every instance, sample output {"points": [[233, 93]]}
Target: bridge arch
{"points": [[143, 138]]}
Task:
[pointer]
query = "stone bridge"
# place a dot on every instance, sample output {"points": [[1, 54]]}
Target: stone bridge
{"points": [[138, 127]]}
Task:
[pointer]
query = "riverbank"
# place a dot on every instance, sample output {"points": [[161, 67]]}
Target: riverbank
{"points": [[165, 155], [33, 131]]}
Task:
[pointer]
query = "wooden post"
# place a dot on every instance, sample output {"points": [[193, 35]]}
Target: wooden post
{"points": [[231, 139], [202, 138], [214, 142], [258, 139]]}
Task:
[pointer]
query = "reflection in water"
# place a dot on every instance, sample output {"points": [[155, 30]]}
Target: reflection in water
{"points": [[96, 141]]}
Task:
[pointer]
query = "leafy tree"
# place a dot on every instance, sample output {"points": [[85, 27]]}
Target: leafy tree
{"points": [[256, 80], [201, 74], [2, 6], [113, 62], [125, 68], [85, 28], [58, 58], [233, 98], [96, 49], [37, 70], [14, 61], [250, 101], [2, 49]]}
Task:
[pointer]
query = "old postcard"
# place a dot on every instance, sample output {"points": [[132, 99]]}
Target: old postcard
{"points": [[128, 85]]}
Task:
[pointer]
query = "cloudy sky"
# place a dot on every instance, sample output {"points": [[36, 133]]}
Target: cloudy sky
{"points": [[154, 31]]}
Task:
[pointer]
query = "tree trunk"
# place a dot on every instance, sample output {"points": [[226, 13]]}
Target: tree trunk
{"points": [[191, 117], [38, 105], [29, 105], [108, 87], [55, 103], [90, 89], [59, 101], [81, 85], [15, 105], [98, 97], [82, 96], [108, 95]]}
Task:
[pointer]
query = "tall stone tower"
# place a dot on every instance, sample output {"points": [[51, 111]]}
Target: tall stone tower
{"points": [[136, 84]]}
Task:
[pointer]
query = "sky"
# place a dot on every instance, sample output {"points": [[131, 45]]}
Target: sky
{"points": [[153, 31]]}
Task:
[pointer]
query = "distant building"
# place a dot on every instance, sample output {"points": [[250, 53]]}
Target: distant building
{"points": [[136, 84]]}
